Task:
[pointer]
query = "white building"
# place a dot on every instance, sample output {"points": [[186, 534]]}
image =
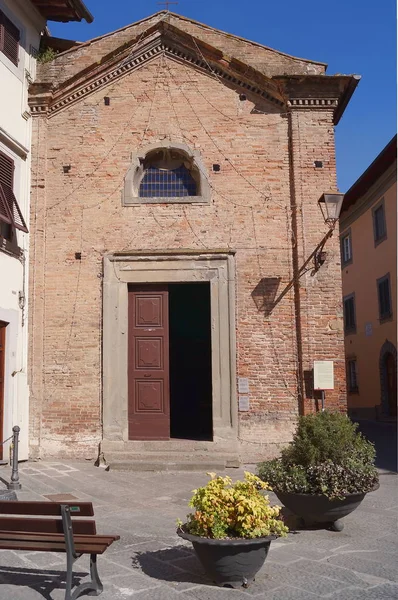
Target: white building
{"points": [[21, 25]]}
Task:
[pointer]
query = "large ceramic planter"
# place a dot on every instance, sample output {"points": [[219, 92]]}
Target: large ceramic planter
{"points": [[232, 563], [320, 509]]}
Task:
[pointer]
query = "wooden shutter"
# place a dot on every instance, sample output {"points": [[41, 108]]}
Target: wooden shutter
{"points": [[9, 209], [9, 38]]}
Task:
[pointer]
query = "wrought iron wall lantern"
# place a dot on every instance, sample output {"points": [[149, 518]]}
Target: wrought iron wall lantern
{"points": [[330, 204]]}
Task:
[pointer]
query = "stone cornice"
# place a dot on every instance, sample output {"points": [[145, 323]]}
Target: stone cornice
{"points": [[318, 91], [285, 91], [46, 99]]}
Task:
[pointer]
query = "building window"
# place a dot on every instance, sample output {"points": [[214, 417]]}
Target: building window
{"points": [[349, 314], [10, 214], [167, 183], [346, 249], [166, 174], [384, 294], [379, 223], [9, 39], [352, 376]]}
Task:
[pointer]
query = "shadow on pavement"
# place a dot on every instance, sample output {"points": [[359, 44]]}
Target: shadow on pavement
{"points": [[384, 436], [43, 581], [178, 564]]}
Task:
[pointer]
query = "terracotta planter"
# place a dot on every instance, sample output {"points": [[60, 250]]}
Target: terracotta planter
{"points": [[232, 563], [320, 509]]}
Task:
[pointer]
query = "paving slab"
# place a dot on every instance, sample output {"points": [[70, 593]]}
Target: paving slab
{"points": [[150, 562]]}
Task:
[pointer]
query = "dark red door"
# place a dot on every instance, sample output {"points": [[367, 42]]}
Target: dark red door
{"points": [[2, 363], [148, 363]]}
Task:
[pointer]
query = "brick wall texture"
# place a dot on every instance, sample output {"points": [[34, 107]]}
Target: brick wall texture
{"points": [[263, 205]]}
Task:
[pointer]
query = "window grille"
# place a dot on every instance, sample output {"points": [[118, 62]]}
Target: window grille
{"points": [[167, 183], [9, 39]]}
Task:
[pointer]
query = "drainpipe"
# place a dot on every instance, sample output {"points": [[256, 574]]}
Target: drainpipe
{"points": [[295, 263]]}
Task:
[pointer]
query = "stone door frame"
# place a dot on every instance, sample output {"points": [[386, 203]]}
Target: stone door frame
{"points": [[120, 269]]}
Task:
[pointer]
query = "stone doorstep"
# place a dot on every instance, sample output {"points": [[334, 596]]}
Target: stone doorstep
{"points": [[170, 455], [146, 465], [170, 446], [170, 461]]}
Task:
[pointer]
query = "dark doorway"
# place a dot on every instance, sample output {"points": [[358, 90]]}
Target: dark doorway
{"points": [[190, 361]]}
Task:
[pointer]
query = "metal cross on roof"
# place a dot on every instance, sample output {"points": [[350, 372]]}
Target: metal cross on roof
{"points": [[166, 3]]}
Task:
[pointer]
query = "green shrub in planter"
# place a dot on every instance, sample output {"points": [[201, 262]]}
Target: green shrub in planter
{"points": [[327, 456], [233, 510]]}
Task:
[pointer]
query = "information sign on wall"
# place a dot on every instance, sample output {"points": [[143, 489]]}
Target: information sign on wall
{"points": [[323, 375]]}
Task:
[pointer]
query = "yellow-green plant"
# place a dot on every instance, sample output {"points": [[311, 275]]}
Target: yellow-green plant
{"points": [[233, 510]]}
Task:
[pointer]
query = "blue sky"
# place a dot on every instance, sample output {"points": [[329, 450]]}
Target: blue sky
{"points": [[351, 36]]}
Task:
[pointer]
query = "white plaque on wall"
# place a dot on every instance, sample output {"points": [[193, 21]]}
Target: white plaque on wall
{"points": [[323, 375], [243, 385], [368, 329], [243, 403]]}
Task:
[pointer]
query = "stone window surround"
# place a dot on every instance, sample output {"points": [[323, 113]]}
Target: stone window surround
{"points": [[130, 193], [120, 269], [353, 328], [344, 236], [387, 316], [379, 240]]}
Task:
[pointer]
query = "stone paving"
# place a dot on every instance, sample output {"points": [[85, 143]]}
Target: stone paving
{"points": [[151, 563]]}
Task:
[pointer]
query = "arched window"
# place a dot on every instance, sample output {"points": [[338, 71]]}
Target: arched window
{"points": [[166, 173]]}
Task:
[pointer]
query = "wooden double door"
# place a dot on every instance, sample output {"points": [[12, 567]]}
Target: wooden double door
{"points": [[169, 362]]}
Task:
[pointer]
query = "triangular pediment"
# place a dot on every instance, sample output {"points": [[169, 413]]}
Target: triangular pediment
{"points": [[269, 75], [161, 38]]}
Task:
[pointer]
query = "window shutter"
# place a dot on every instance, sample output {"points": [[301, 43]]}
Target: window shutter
{"points": [[6, 170], [349, 314], [9, 210], [9, 38], [384, 298]]}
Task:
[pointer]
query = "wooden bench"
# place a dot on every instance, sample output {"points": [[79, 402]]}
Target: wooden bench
{"points": [[52, 527]]}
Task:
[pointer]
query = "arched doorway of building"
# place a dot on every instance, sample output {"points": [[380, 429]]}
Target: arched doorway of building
{"points": [[388, 379]]}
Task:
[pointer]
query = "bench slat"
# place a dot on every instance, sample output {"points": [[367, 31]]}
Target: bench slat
{"points": [[29, 536], [80, 526], [34, 545], [52, 509]]}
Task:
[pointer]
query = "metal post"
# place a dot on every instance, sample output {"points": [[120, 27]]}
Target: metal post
{"points": [[14, 483], [323, 400]]}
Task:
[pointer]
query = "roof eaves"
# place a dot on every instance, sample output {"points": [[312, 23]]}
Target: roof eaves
{"points": [[82, 10], [380, 164]]}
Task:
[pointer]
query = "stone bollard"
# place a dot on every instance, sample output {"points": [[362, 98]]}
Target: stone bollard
{"points": [[14, 483]]}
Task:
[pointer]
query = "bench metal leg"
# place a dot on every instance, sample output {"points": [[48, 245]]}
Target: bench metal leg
{"points": [[93, 587], [69, 576]]}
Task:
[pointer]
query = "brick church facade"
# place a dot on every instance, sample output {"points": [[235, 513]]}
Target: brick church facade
{"points": [[176, 172]]}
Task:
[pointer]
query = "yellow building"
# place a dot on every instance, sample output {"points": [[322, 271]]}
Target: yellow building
{"points": [[368, 234]]}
